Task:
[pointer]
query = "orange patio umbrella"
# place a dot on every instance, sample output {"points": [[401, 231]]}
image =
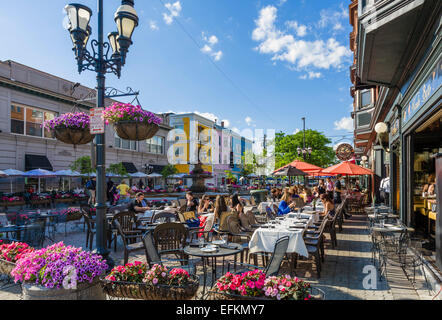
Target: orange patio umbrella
{"points": [[303, 166], [347, 168]]}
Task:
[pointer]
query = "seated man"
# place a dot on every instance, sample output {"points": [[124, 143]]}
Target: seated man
{"points": [[138, 205]]}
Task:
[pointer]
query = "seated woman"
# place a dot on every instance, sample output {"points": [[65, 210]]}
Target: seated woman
{"points": [[286, 205], [316, 192], [205, 205], [220, 207], [329, 206]]}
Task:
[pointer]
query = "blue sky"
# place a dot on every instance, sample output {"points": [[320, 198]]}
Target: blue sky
{"points": [[256, 64]]}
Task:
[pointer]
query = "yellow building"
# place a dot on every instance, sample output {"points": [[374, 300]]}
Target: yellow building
{"points": [[191, 141]]}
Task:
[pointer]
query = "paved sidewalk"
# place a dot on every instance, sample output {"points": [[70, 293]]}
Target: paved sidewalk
{"points": [[341, 277]]}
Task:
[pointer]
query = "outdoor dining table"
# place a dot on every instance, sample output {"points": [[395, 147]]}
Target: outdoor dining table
{"points": [[228, 249], [265, 237], [11, 229]]}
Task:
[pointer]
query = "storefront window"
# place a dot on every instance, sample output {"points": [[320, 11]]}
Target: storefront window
{"points": [[426, 143]]}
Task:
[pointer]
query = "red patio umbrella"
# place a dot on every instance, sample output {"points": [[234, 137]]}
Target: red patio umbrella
{"points": [[347, 168], [303, 166]]}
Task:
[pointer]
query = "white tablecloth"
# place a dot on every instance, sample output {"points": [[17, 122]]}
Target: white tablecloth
{"points": [[264, 239]]}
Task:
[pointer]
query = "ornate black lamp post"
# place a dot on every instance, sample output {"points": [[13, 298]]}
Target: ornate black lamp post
{"points": [[99, 61], [306, 152]]}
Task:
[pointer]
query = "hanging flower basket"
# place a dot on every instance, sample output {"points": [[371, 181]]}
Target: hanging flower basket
{"points": [[132, 122], [71, 128], [135, 281]]}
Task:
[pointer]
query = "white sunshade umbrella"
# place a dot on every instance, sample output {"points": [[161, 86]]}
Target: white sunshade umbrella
{"points": [[154, 176], [67, 173], [13, 173], [138, 175], [39, 173]]}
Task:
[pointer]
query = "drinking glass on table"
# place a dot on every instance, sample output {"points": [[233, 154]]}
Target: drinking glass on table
{"points": [[201, 242]]}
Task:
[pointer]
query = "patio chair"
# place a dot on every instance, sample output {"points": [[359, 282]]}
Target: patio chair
{"points": [[238, 235], [275, 261], [170, 238], [315, 246], [128, 244], [35, 233], [164, 216], [128, 222], [153, 257], [90, 231]]}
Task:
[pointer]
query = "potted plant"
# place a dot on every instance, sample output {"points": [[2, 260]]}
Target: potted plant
{"points": [[60, 272], [71, 128], [254, 285], [137, 281], [131, 122], [10, 253]]}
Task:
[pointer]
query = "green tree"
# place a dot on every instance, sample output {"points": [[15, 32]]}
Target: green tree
{"points": [[230, 176], [82, 165], [168, 171], [286, 148], [118, 169], [249, 163]]}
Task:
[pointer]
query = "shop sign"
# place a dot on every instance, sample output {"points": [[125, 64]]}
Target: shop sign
{"points": [[430, 86]]}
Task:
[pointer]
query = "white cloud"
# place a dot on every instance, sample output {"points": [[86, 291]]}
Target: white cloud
{"points": [[153, 25], [210, 42], [235, 129], [346, 123], [311, 75], [174, 11], [248, 120], [281, 2], [301, 54], [301, 30], [332, 17], [296, 131]]}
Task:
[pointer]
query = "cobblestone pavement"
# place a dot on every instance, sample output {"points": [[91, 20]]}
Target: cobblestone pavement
{"points": [[342, 275]]}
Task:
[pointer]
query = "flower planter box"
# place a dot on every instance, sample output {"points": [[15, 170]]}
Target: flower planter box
{"points": [[39, 202], [84, 291], [6, 267], [12, 204], [65, 200], [73, 136], [135, 131], [141, 291], [315, 294]]}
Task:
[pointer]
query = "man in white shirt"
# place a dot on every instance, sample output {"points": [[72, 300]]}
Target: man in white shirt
{"points": [[385, 190]]}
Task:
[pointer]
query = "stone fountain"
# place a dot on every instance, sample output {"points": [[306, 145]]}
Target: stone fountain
{"points": [[198, 176]]}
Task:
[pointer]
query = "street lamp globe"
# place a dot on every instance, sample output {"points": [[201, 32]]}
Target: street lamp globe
{"points": [[299, 151], [114, 43], [79, 17], [89, 32], [309, 150], [126, 19]]}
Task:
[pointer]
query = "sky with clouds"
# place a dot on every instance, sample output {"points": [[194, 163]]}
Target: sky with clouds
{"points": [[256, 64]]}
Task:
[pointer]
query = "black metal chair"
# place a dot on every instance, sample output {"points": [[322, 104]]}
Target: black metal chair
{"points": [[129, 246], [275, 261], [129, 226], [35, 233], [315, 245], [153, 257], [91, 231], [164, 216]]}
